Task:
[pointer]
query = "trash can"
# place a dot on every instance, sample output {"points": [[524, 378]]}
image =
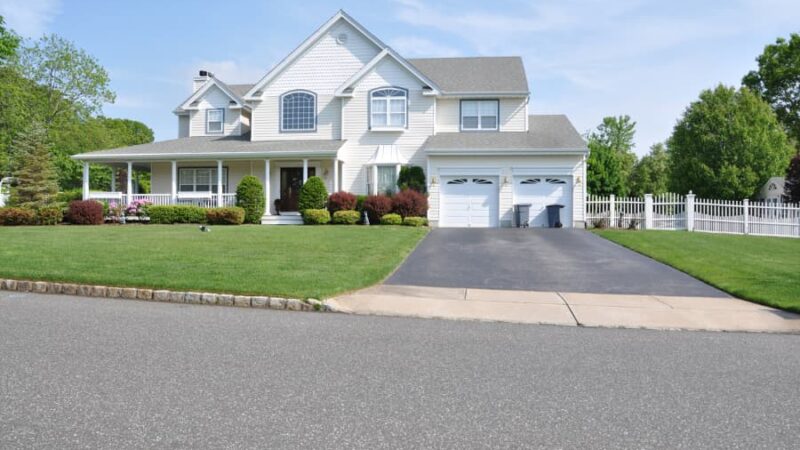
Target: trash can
{"points": [[554, 216], [522, 213]]}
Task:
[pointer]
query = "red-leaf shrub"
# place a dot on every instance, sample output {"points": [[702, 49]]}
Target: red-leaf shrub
{"points": [[17, 216], [341, 201], [410, 203], [233, 215], [85, 212], [376, 207]]}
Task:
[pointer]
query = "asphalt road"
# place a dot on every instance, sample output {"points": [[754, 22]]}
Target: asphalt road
{"points": [[541, 259], [99, 373]]}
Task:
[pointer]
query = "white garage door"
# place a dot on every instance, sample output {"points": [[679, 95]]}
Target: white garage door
{"points": [[469, 202], [541, 191]]}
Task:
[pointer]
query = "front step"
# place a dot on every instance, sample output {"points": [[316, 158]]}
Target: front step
{"points": [[287, 218]]}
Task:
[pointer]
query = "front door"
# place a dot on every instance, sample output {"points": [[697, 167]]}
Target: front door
{"points": [[291, 182]]}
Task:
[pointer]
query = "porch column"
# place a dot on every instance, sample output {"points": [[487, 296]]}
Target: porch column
{"points": [[85, 180], [375, 180], [335, 175], [129, 191], [174, 188], [305, 171], [219, 183], [268, 208]]}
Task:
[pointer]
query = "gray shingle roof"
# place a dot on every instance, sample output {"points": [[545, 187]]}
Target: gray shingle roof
{"points": [[240, 89], [491, 75], [207, 147], [545, 132]]}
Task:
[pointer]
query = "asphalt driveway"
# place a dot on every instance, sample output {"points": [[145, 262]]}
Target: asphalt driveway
{"points": [[540, 260]]}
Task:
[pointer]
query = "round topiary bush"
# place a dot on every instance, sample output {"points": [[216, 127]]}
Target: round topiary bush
{"points": [[412, 177], [376, 207], [412, 221], [341, 201], [85, 212], [313, 195], [346, 217], [316, 216], [250, 197], [410, 203], [391, 219]]}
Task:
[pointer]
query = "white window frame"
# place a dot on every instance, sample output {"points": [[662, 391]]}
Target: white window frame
{"points": [[481, 104], [212, 185], [282, 112], [387, 101], [221, 121]]}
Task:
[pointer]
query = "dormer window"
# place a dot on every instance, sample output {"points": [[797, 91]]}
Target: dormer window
{"points": [[388, 109], [299, 111], [479, 115], [214, 120]]}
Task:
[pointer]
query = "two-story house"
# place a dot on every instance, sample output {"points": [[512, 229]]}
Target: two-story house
{"points": [[346, 107]]}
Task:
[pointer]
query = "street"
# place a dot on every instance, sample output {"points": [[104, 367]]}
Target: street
{"points": [[100, 373]]}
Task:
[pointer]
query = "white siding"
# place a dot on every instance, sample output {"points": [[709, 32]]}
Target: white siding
{"points": [[362, 143], [513, 116], [214, 98], [321, 69]]}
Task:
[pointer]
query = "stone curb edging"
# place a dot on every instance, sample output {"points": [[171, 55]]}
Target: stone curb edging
{"points": [[163, 295]]}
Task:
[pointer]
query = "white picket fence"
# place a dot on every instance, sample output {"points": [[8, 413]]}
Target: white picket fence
{"points": [[677, 212]]}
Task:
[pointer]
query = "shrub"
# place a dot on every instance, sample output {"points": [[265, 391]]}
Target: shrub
{"points": [[316, 216], [85, 212], [250, 196], [176, 214], [410, 203], [225, 216], [135, 208], [391, 219], [376, 207], [412, 221], [69, 196], [313, 195], [341, 201], [49, 215], [411, 177], [360, 202], [346, 217], [17, 216]]}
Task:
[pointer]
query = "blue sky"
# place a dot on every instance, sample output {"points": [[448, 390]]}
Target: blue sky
{"points": [[586, 59]]}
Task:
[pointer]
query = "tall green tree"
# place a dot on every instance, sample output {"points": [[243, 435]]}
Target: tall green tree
{"points": [[611, 158], [791, 188], [9, 42], [36, 181], [727, 145], [651, 173], [777, 80]]}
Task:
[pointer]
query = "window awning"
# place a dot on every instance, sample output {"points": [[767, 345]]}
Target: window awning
{"points": [[386, 155]]}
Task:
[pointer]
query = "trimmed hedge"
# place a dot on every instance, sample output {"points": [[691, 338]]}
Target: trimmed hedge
{"points": [[360, 202], [49, 215], [412, 221], [391, 219], [376, 207], [225, 216], [250, 196], [346, 217], [410, 203], [176, 214], [316, 216], [313, 195], [17, 216], [341, 201], [85, 212]]}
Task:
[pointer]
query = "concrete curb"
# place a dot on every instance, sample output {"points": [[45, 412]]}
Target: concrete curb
{"points": [[163, 295]]}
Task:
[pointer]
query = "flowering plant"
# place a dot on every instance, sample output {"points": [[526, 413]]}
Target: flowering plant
{"points": [[115, 211], [137, 208]]}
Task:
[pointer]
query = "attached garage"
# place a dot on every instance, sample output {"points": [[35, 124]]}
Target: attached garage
{"points": [[540, 191], [469, 202]]}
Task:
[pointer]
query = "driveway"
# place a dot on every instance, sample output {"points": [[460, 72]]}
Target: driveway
{"points": [[540, 260]]}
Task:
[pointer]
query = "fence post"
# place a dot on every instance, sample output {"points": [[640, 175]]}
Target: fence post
{"points": [[648, 211], [690, 211], [746, 207], [612, 216]]}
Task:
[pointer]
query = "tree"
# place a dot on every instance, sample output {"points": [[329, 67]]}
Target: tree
{"points": [[73, 79], [651, 174], [727, 145], [313, 194], [412, 177], [791, 188], [777, 81], [611, 157], [9, 42], [250, 197], [36, 182]]}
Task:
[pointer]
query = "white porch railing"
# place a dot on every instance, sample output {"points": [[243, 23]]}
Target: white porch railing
{"points": [[204, 200], [676, 212]]}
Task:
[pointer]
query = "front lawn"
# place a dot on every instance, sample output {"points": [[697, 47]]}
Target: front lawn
{"points": [[290, 261], [762, 269]]}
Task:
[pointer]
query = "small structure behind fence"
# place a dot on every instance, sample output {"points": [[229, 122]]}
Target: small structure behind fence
{"points": [[678, 212]]}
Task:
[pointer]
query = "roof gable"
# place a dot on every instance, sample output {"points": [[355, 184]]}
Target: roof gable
{"points": [[384, 54], [196, 96]]}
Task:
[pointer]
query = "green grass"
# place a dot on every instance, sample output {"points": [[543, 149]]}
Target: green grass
{"points": [[761, 269], [291, 261]]}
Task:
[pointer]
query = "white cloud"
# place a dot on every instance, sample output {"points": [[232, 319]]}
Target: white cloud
{"points": [[414, 46], [29, 18]]}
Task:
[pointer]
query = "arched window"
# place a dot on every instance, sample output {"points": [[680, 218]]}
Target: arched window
{"points": [[298, 111], [388, 108]]}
